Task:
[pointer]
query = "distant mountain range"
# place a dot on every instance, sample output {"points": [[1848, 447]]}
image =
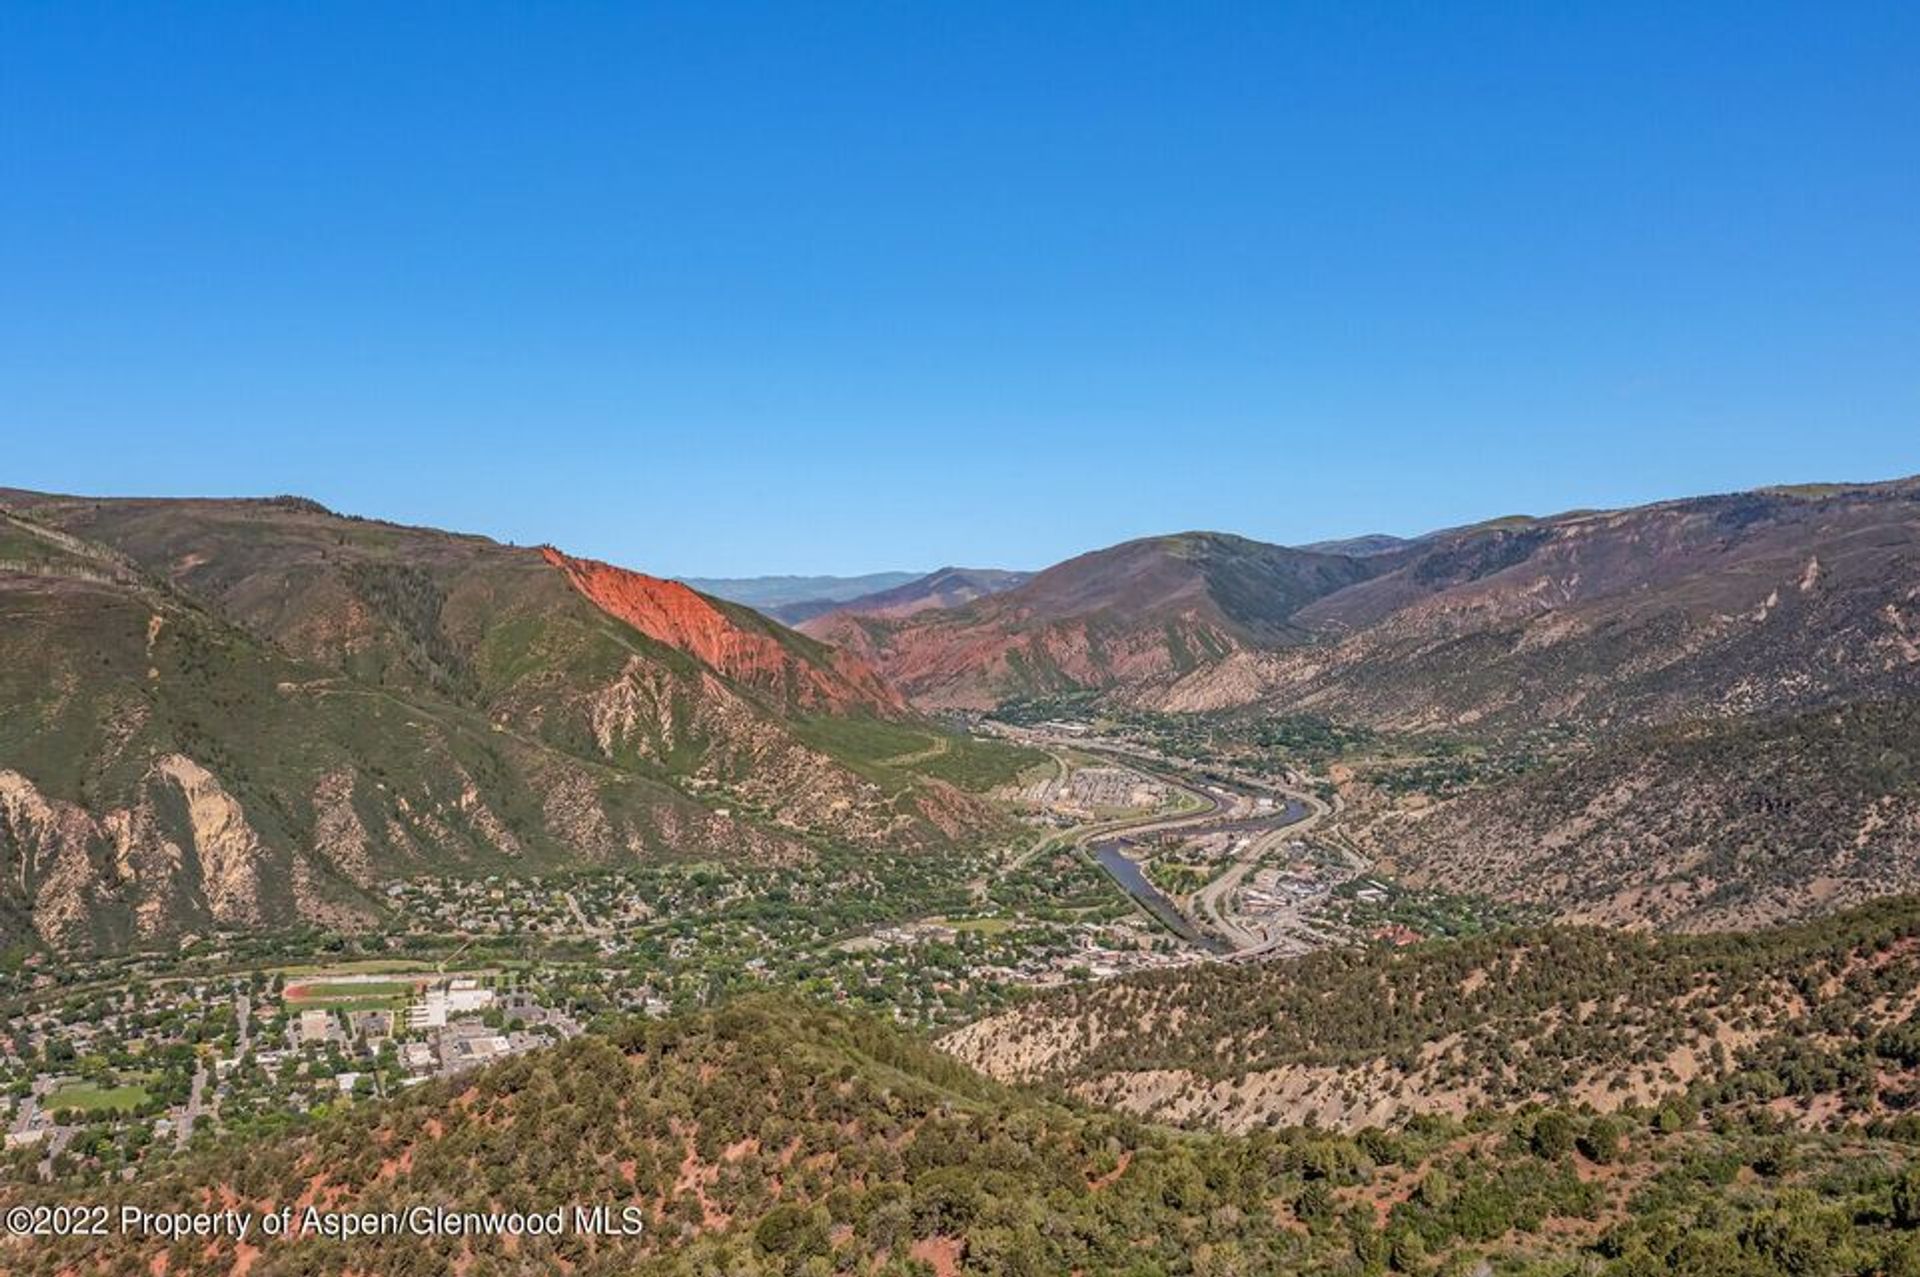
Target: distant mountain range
{"points": [[793, 600], [942, 588], [1130, 617], [252, 712], [1772, 600], [233, 714], [770, 592]]}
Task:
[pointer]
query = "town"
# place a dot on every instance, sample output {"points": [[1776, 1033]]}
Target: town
{"points": [[1135, 863], [105, 1077]]}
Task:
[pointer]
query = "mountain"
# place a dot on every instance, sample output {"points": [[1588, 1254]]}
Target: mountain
{"points": [[1142, 614], [1761, 602], [943, 588], [1366, 543], [804, 676], [1814, 1023], [1707, 824], [770, 1137], [767, 593], [1765, 601], [230, 714]]}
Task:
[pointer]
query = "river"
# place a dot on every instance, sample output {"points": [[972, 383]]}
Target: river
{"points": [[1129, 875]]}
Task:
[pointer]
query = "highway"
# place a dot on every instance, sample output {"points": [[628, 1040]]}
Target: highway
{"points": [[1216, 928]]}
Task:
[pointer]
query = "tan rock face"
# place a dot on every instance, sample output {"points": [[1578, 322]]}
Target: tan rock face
{"points": [[182, 855], [226, 846], [70, 866], [339, 834], [47, 844]]}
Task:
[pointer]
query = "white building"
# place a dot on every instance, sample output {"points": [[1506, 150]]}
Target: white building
{"points": [[465, 994], [430, 1012]]}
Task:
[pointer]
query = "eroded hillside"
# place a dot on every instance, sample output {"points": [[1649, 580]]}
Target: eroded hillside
{"points": [[1760, 602], [1720, 824], [249, 713]]}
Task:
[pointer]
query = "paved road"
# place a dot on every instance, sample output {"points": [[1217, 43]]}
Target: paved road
{"points": [[29, 1108], [1208, 902], [1213, 903], [580, 916], [194, 1101], [1300, 813]]}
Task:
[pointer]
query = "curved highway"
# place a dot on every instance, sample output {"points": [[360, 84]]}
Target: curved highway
{"points": [[1215, 930]]}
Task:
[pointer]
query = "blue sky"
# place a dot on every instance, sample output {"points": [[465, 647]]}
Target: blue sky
{"points": [[720, 289]]}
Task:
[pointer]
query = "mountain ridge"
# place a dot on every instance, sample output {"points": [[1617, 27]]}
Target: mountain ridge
{"points": [[782, 590], [1608, 618], [1150, 608], [249, 713], [941, 588]]}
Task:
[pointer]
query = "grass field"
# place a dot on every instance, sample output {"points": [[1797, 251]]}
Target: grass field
{"points": [[363, 966], [982, 926], [968, 762], [372, 995], [89, 1097]]}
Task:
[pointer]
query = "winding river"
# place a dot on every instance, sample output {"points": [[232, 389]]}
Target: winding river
{"points": [[1128, 873]]}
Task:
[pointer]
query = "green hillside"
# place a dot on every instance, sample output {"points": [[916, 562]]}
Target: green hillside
{"points": [[1810, 1023], [226, 715], [772, 1138]]}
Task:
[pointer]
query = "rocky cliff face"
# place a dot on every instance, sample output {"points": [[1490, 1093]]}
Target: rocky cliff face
{"points": [[735, 641], [180, 856]]}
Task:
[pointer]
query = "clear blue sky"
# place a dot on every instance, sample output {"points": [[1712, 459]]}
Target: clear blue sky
{"points": [[839, 287]]}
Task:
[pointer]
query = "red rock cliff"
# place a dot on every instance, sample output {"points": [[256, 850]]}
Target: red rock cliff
{"points": [[743, 651]]}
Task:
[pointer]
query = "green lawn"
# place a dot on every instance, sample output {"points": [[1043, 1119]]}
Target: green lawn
{"points": [[984, 926], [971, 763], [363, 966], [90, 1097], [321, 995]]}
